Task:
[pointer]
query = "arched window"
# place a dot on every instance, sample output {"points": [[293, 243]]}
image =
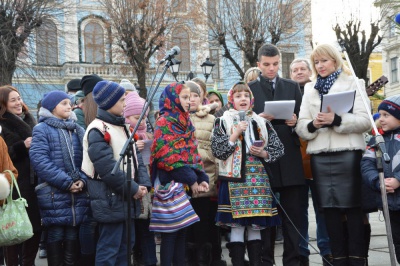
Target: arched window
{"points": [[94, 43], [47, 44], [180, 38]]}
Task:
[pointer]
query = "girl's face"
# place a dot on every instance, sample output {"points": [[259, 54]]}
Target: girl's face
{"points": [[195, 101], [212, 98], [14, 103], [63, 109], [241, 100], [135, 118], [184, 98], [118, 108], [324, 66], [387, 121]]}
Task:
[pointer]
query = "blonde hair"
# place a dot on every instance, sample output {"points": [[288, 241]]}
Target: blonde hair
{"points": [[327, 50], [251, 74]]}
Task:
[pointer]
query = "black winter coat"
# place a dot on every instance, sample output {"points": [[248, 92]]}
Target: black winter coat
{"points": [[287, 171], [14, 131]]}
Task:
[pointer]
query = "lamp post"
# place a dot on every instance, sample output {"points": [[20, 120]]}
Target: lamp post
{"points": [[175, 67], [207, 67]]}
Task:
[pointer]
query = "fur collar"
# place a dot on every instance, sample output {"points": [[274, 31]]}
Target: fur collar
{"points": [[23, 127]]}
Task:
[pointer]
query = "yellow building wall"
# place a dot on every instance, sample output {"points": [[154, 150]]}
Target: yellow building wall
{"points": [[376, 71]]}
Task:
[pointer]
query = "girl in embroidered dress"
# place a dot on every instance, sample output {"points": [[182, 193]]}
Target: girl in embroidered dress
{"points": [[244, 197], [175, 158]]}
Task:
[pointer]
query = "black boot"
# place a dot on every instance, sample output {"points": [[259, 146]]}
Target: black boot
{"points": [[55, 254], [254, 248], [86, 260], [268, 236], [304, 261], [367, 238], [356, 261], [70, 252], [342, 261], [204, 255], [236, 252]]}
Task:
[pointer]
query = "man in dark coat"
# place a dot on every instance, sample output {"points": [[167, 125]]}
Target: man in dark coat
{"points": [[287, 173]]}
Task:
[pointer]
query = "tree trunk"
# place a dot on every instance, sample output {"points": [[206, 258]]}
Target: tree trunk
{"points": [[141, 75], [7, 71]]}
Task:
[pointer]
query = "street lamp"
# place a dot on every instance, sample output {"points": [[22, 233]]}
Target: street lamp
{"points": [[175, 67], [207, 67]]}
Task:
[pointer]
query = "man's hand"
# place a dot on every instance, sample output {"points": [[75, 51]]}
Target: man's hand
{"points": [[292, 122], [267, 116]]}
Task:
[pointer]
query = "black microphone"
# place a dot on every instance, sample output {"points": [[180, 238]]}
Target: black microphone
{"points": [[242, 117], [174, 51]]}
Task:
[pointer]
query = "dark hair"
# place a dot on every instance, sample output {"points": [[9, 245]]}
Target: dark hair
{"points": [[269, 50], [4, 95]]}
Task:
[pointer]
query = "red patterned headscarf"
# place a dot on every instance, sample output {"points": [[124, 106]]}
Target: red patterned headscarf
{"points": [[174, 144]]}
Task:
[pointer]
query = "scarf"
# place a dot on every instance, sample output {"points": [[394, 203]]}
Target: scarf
{"points": [[323, 85], [141, 130], [174, 144], [65, 128]]}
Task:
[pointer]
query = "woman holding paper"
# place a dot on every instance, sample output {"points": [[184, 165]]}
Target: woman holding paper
{"points": [[336, 143]]}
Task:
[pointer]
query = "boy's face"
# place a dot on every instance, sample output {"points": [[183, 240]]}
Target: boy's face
{"points": [[241, 100], [269, 66], [118, 108], [63, 109], [387, 121], [184, 98], [194, 101]]}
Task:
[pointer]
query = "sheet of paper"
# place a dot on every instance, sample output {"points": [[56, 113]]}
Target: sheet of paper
{"points": [[280, 109], [340, 102], [146, 151]]}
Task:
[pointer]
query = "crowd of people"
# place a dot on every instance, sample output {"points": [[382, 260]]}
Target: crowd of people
{"points": [[204, 167]]}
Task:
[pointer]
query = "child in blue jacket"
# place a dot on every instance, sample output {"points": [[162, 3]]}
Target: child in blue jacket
{"points": [[56, 157], [389, 119]]}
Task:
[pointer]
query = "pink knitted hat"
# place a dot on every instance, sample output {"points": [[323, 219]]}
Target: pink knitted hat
{"points": [[134, 104]]}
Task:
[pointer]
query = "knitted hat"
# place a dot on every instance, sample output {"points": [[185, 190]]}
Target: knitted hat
{"points": [[134, 105], [88, 82], [107, 93], [78, 96], [193, 86], [74, 85], [376, 116], [52, 99], [391, 105], [219, 95], [127, 85]]}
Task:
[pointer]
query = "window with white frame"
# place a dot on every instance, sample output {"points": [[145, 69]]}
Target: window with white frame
{"points": [[94, 43], [393, 70]]}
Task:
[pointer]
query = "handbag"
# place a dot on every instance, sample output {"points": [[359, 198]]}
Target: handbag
{"points": [[15, 226], [171, 210]]}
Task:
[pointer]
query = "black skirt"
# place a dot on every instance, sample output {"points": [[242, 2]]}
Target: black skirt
{"points": [[337, 177]]}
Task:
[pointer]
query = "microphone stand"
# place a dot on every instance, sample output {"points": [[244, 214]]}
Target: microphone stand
{"points": [[127, 151], [380, 152]]}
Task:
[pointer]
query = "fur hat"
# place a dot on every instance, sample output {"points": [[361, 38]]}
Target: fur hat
{"points": [[107, 93], [52, 99], [391, 105], [127, 85], [88, 82], [74, 85], [4, 187], [194, 87], [134, 105]]}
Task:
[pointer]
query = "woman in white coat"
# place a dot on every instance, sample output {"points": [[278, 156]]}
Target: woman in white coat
{"points": [[336, 143]]}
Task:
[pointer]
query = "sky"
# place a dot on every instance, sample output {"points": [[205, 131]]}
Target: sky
{"points": [[326, 13]]}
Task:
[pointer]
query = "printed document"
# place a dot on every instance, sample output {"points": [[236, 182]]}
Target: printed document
{"points": [[280, 109], [340, 102]]}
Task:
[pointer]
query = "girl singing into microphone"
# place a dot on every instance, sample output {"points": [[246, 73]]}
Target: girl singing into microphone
{"points": [[244, 147]]}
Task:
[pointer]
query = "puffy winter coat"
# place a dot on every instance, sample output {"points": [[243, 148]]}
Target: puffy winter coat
{"points": [[370, 172], [58, 206]]}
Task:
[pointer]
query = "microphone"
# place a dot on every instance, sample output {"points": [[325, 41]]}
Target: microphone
{"points": [[174, 51], [242, 115]]}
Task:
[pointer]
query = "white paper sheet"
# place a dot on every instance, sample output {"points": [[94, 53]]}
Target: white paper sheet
{"points": [[340, 102], [280, 109], [146, 151]]}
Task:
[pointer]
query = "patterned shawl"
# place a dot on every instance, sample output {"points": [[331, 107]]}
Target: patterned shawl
{"points": [[323, 85], [174, 144]]}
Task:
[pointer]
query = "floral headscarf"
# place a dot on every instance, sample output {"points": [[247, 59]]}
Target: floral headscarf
{"points": [[231, 102], [174, 144]]}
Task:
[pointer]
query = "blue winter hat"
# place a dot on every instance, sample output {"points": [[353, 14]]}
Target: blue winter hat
{"points": [[391, 105], [107, 93], [52, 99]]}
